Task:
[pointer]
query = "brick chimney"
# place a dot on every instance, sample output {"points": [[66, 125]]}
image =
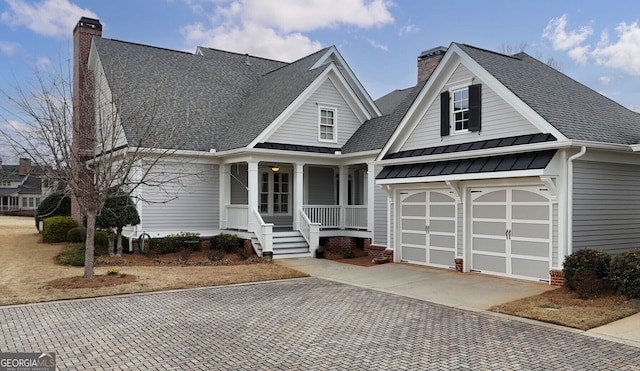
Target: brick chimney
{"points": [[83, 109], [24, 168], [428, 61]]}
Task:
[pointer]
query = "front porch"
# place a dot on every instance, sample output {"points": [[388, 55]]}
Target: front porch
{"points": [[277, 203]]}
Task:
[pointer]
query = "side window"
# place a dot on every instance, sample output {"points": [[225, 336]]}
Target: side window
{"points": [[327, 124], [461, 110]]}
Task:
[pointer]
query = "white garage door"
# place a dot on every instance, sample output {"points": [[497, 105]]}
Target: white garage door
{"points": [[511, 232], [428, 227]]}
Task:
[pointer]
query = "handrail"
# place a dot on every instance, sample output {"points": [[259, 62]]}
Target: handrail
{"points": [[263, 232], [310, 231]]}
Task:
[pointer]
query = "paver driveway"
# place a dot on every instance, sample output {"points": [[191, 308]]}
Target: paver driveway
{"points": [[304, 324]]}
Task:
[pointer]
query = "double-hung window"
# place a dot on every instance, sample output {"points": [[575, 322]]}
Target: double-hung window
{"points": [[327, 124], [460, 110]]}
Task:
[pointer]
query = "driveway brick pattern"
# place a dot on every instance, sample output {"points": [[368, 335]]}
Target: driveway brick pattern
{"points": [[303, 324]]}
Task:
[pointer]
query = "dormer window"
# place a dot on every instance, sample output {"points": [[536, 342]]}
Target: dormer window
{"points": [[327, 124], [460, 110]]}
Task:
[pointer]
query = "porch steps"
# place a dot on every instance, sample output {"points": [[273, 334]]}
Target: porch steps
{"points": [[285, 245]]}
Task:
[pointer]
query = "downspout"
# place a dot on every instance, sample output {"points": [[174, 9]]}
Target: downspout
{"points": [[583, 150]]}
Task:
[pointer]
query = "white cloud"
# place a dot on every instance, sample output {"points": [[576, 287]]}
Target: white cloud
{"points": [[8, 48], [579, 54], [605, 79], [378, 45], [43, 63], [561, 39], [48, 17], [624, 53], [276, 29], [409, 29]]}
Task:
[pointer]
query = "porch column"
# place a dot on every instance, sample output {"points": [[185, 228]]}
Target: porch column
{"points": [[371, 188], [253, 185], [343, 189], [298, 196], [225, 193]]}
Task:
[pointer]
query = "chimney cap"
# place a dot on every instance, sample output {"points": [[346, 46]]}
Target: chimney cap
{"points": [[433, 51], [92, 23]]}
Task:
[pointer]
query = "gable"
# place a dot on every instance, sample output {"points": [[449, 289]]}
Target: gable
{"points": [[497, 117], [302, 126]]}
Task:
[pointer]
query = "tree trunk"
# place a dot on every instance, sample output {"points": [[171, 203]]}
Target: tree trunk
{"points": [[89, 244], [119, 241], [111, 236]]}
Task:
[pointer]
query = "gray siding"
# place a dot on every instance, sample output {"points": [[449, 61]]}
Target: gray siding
{"points": [[239, 184], [302, 126], [606, 206], [321, 186], [499, 120], [380, 215], [193, 201]]}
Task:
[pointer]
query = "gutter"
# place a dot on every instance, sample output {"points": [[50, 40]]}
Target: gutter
{"points": [[569, 229]]}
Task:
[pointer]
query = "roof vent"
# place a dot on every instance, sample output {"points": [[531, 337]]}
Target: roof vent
{"points": [[247, 60]]}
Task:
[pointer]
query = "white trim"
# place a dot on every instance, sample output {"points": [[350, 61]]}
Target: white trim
{"points": [[473, 176], [334, 124]]}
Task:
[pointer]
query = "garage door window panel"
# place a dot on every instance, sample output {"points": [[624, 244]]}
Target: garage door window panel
{"points": [[530, 212]]}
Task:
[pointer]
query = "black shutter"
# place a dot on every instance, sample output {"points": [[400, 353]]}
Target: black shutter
{"points": [[444, 114], [475, 112]]}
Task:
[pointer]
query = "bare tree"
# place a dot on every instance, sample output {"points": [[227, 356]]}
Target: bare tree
{"points": [[40, 125], [511, 49]]}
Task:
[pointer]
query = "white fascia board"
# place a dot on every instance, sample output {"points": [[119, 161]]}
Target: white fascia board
{"points": [[290, 110], [473, 176], [431, 91], [521, 107], [347, 93], [477, 153], [331, 72], [351, 77]]}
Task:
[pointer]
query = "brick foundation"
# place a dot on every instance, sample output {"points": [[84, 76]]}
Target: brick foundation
{"points": [[557, 277], [378, 251], [459, 264], [341, 243]]}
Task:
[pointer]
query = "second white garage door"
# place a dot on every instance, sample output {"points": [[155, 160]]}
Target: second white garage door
{"points": [[511, 232]]}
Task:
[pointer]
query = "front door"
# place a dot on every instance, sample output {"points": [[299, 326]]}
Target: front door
{"points": [[275, 192]]}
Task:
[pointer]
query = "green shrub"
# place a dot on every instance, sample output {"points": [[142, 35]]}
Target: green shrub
{"points": [[227, 242], [56, 228], [77, 234], [74, 254], [56, 204], [101, 241], [585, 260], [174, 243], [624, 273]]}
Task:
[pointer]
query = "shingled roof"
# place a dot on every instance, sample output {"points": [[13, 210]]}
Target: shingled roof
{"points": [[211, 99], [375, 133], [575, 110]]}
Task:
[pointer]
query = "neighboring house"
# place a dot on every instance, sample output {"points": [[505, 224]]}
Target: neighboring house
{"points": [[504, 166], [271, 149], [491, 163], [22, 188]]}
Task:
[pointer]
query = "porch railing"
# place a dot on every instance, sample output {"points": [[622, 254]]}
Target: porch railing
{"points": [[310, 231], [262, 230], [355, 216], [238, 217], [328, 216]]}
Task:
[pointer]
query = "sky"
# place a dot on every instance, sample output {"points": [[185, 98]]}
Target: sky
{"points": [[596, 43]]}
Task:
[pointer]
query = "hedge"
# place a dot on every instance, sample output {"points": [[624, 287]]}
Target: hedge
{"points": [[56, 228]]}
